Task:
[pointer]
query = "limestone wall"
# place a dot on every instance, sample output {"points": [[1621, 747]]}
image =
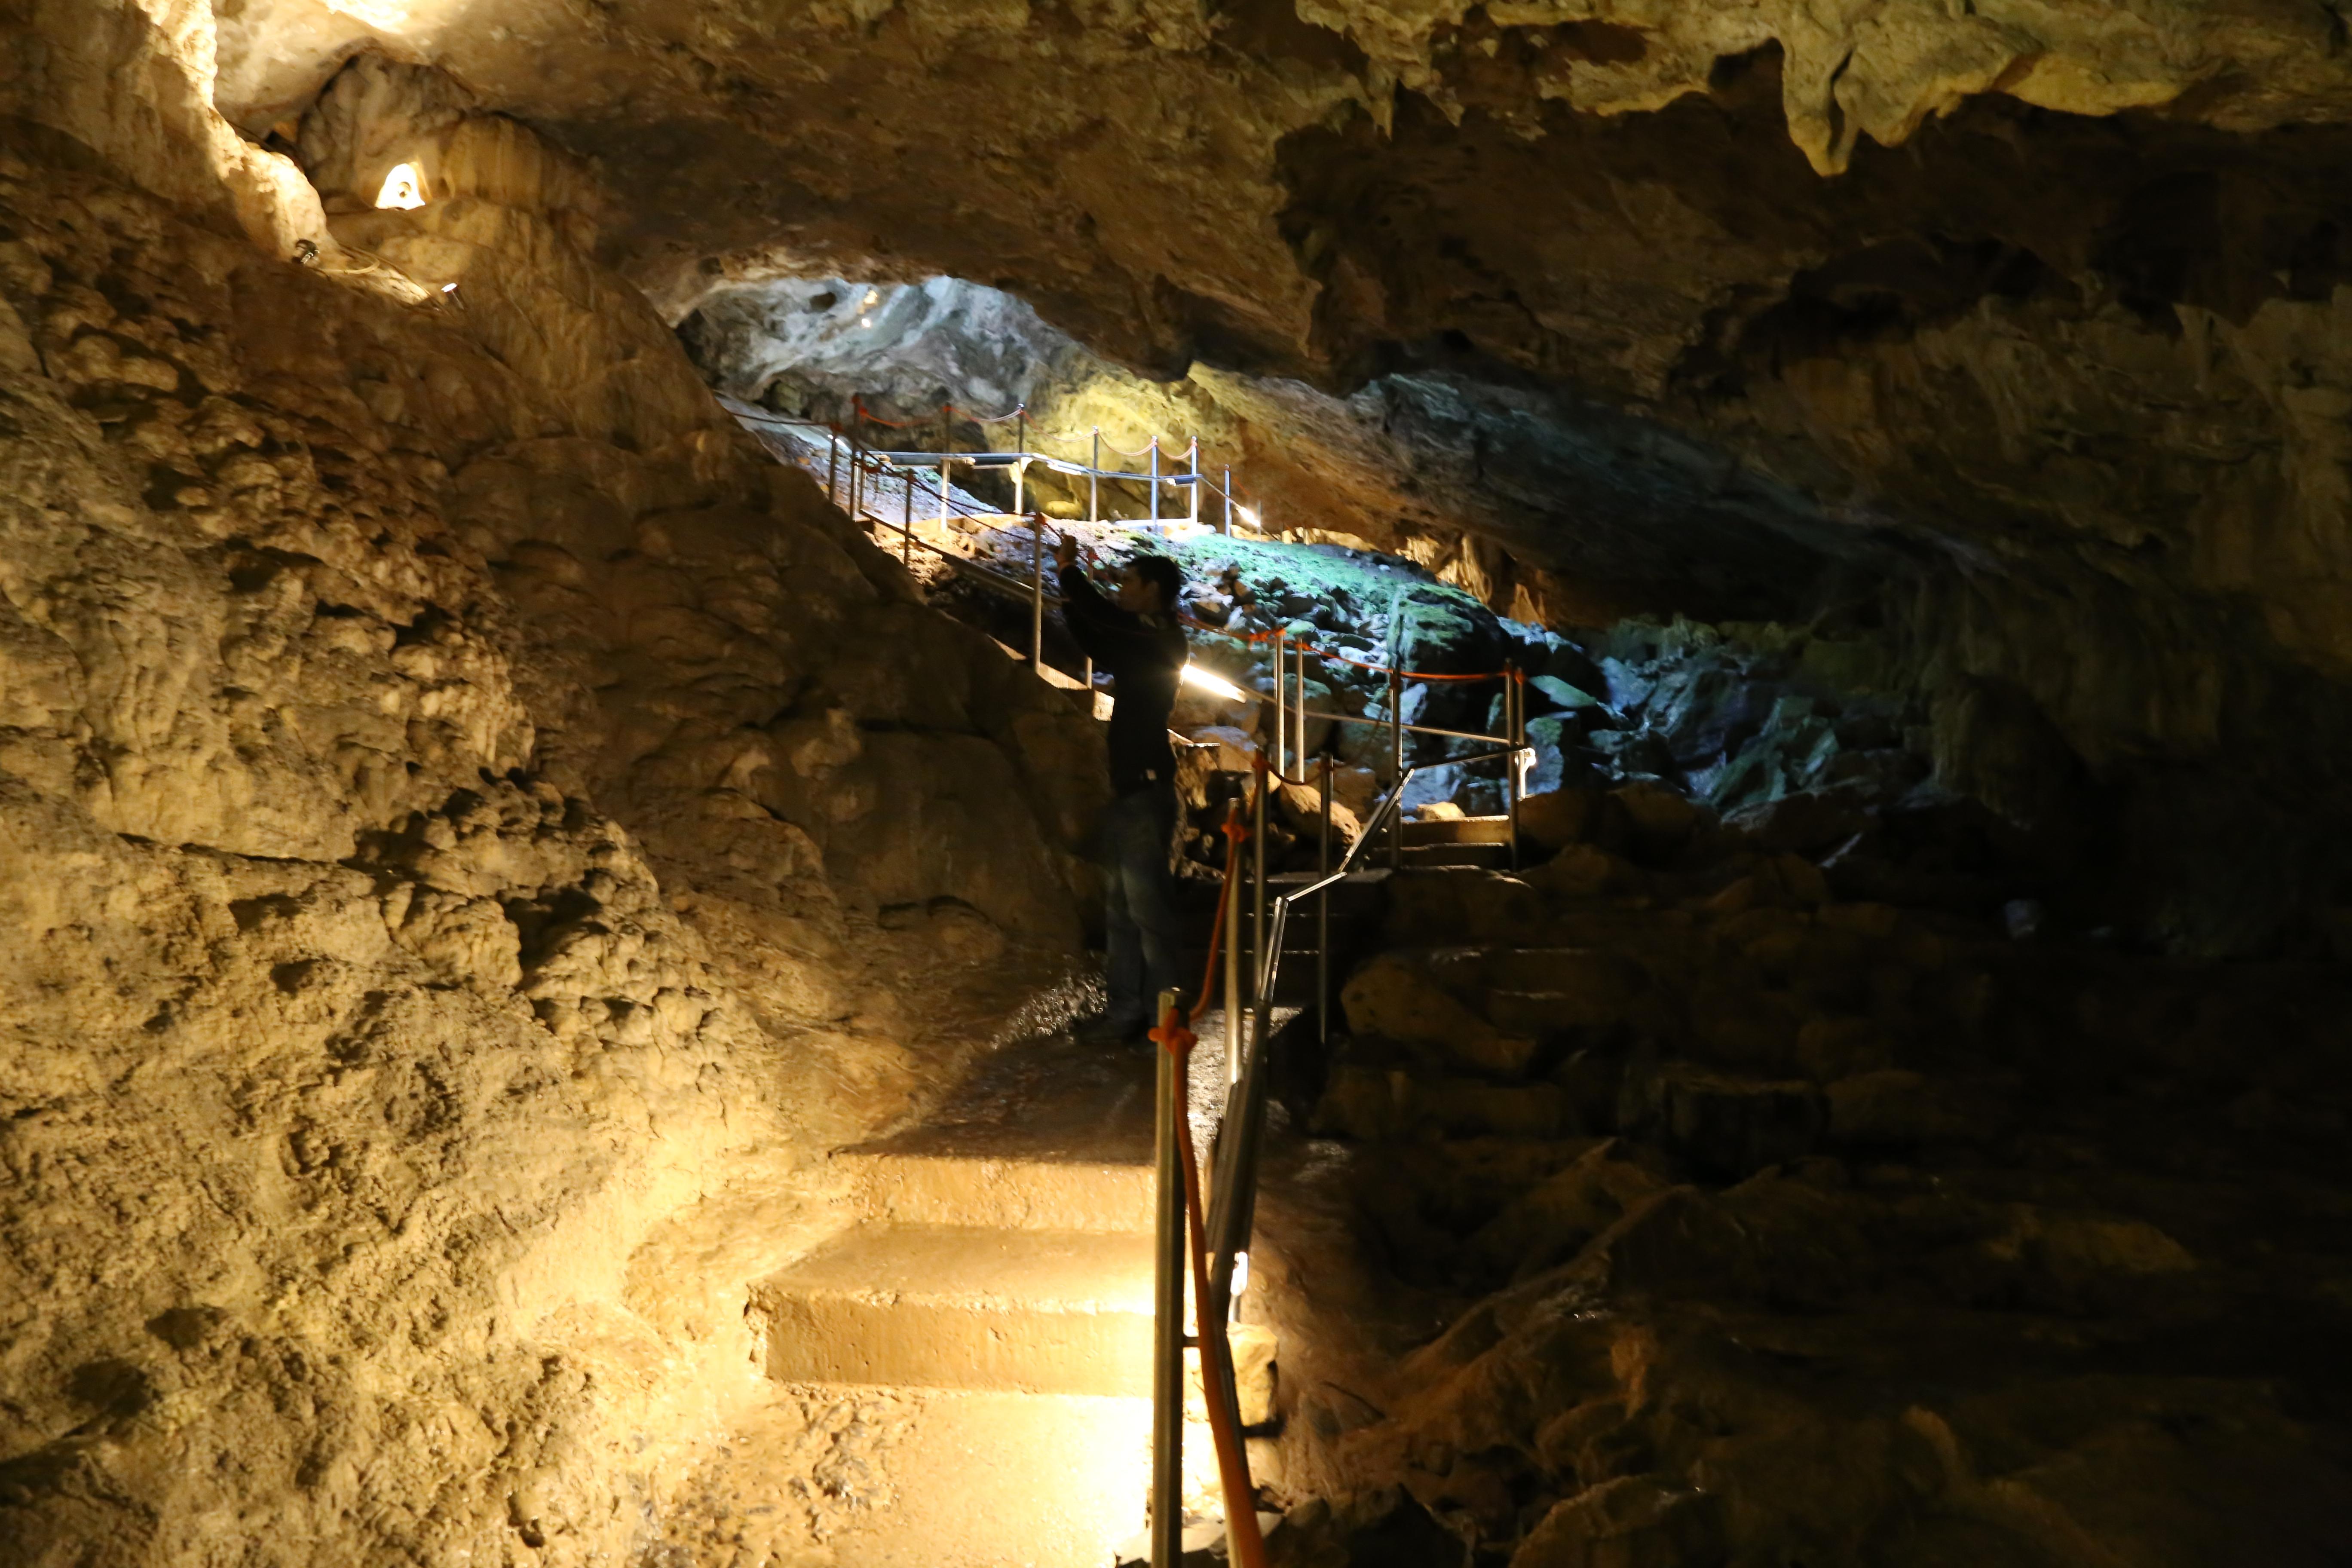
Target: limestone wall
{"points": [[472, 832]]}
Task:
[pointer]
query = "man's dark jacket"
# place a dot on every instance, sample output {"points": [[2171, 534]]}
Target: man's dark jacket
{"points": [[1145, 655]]}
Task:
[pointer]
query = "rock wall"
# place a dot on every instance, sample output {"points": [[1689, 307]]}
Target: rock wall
{"points": [[2006, 326], [472, 830]]}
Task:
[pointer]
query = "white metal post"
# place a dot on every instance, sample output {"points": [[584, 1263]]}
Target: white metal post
{"points": [[906, 516], [1168, 1319], [1281, 701], [1094, 481], [1229, 499], [1036, 592], [1192, 464], [1155, 483], [1236, 1002], [1323, 916], [1396, 756], [1516, 728]]}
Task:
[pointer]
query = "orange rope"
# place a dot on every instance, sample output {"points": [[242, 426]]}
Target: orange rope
{"points": [[865, 413]]}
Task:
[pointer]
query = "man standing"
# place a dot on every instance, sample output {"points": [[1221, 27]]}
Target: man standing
{"points": [[1136, 640]]}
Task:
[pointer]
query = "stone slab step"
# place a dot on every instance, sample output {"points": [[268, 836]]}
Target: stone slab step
{"points": [[935, 1306], [1483, 854], [1458, 830], [1009, 1193]]}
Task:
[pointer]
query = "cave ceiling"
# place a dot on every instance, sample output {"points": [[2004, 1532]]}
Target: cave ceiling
{"points": [[2037, 293]]}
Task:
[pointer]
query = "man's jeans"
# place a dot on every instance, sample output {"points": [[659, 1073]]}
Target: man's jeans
{"points": [[1139, 899]]}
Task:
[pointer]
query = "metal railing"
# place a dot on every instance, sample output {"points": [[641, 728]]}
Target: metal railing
{"points": [[1232, 1202]]}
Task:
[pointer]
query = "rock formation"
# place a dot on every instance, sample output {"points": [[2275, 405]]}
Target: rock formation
{"points": [[477, 831]]}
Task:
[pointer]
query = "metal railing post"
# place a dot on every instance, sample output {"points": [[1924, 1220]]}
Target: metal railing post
{"points": [[1514, 726], [1323, 917], [906, 515], [1021, 445], [856, 459], [832, 461], [1234, 1000], [1192, 459], [1155, 482], [1229, 499], [1036, 592], [1094, 481], [1396, 756], [1281, 700], [1168, 1323], [1258, 911]]}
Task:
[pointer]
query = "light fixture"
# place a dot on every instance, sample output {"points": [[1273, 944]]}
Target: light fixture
{"points": [[1248, 514], [873, 298], [402, 189], [1194, 675], [1240, 1274]]}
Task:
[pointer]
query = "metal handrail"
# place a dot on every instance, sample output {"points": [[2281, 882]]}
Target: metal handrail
{"points": [[1233, 1196]]}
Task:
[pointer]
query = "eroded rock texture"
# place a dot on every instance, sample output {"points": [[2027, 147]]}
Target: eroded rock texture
{"points": [[474, 828], [1684, 1208]]}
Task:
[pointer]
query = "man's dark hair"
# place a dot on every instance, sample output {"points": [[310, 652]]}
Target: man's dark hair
{"points": [[1161, 572]]}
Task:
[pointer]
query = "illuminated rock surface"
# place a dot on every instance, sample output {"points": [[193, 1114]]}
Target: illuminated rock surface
{"points": [[476, 834]]}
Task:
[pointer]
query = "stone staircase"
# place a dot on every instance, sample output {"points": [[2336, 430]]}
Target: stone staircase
{"points": [[996, 1280], [1481, 843]]}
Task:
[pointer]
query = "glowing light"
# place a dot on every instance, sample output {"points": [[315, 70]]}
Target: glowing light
{"points": [[866, 322], [1240, 1274], [1216, 686], [1248, 514], [402, 189], [873, 298], [448, 287]]}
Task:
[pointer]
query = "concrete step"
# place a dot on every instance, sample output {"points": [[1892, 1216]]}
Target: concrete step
{"points": [[1459, 830], [1484, 855], [944, 1306], [906, 1185]]}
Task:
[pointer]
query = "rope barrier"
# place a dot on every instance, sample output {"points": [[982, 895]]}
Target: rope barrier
{"points": [[1019, 414], [1142, 451], [865, 413]]}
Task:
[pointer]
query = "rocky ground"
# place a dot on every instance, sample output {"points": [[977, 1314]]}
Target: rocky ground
{"points": [[1699, 1215]]}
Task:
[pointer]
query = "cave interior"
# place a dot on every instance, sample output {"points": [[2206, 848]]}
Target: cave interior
{"points": [[549, 897]]}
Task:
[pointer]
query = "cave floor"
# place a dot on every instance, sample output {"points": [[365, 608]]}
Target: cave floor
{"points": [[960, 1374]]}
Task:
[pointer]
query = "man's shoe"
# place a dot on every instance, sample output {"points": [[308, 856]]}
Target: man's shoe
{"points": [[1102, 1029]]}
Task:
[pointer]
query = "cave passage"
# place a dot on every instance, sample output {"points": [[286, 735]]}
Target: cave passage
{"points": [[548, 894]]}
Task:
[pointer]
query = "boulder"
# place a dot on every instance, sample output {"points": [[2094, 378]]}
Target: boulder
{"points": [[1584, 871], [1550, 1224], [1457, 903], [1555, 818], [1395, 998], [1895, 1108], [1722, 1123], [1632, 1522]]}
